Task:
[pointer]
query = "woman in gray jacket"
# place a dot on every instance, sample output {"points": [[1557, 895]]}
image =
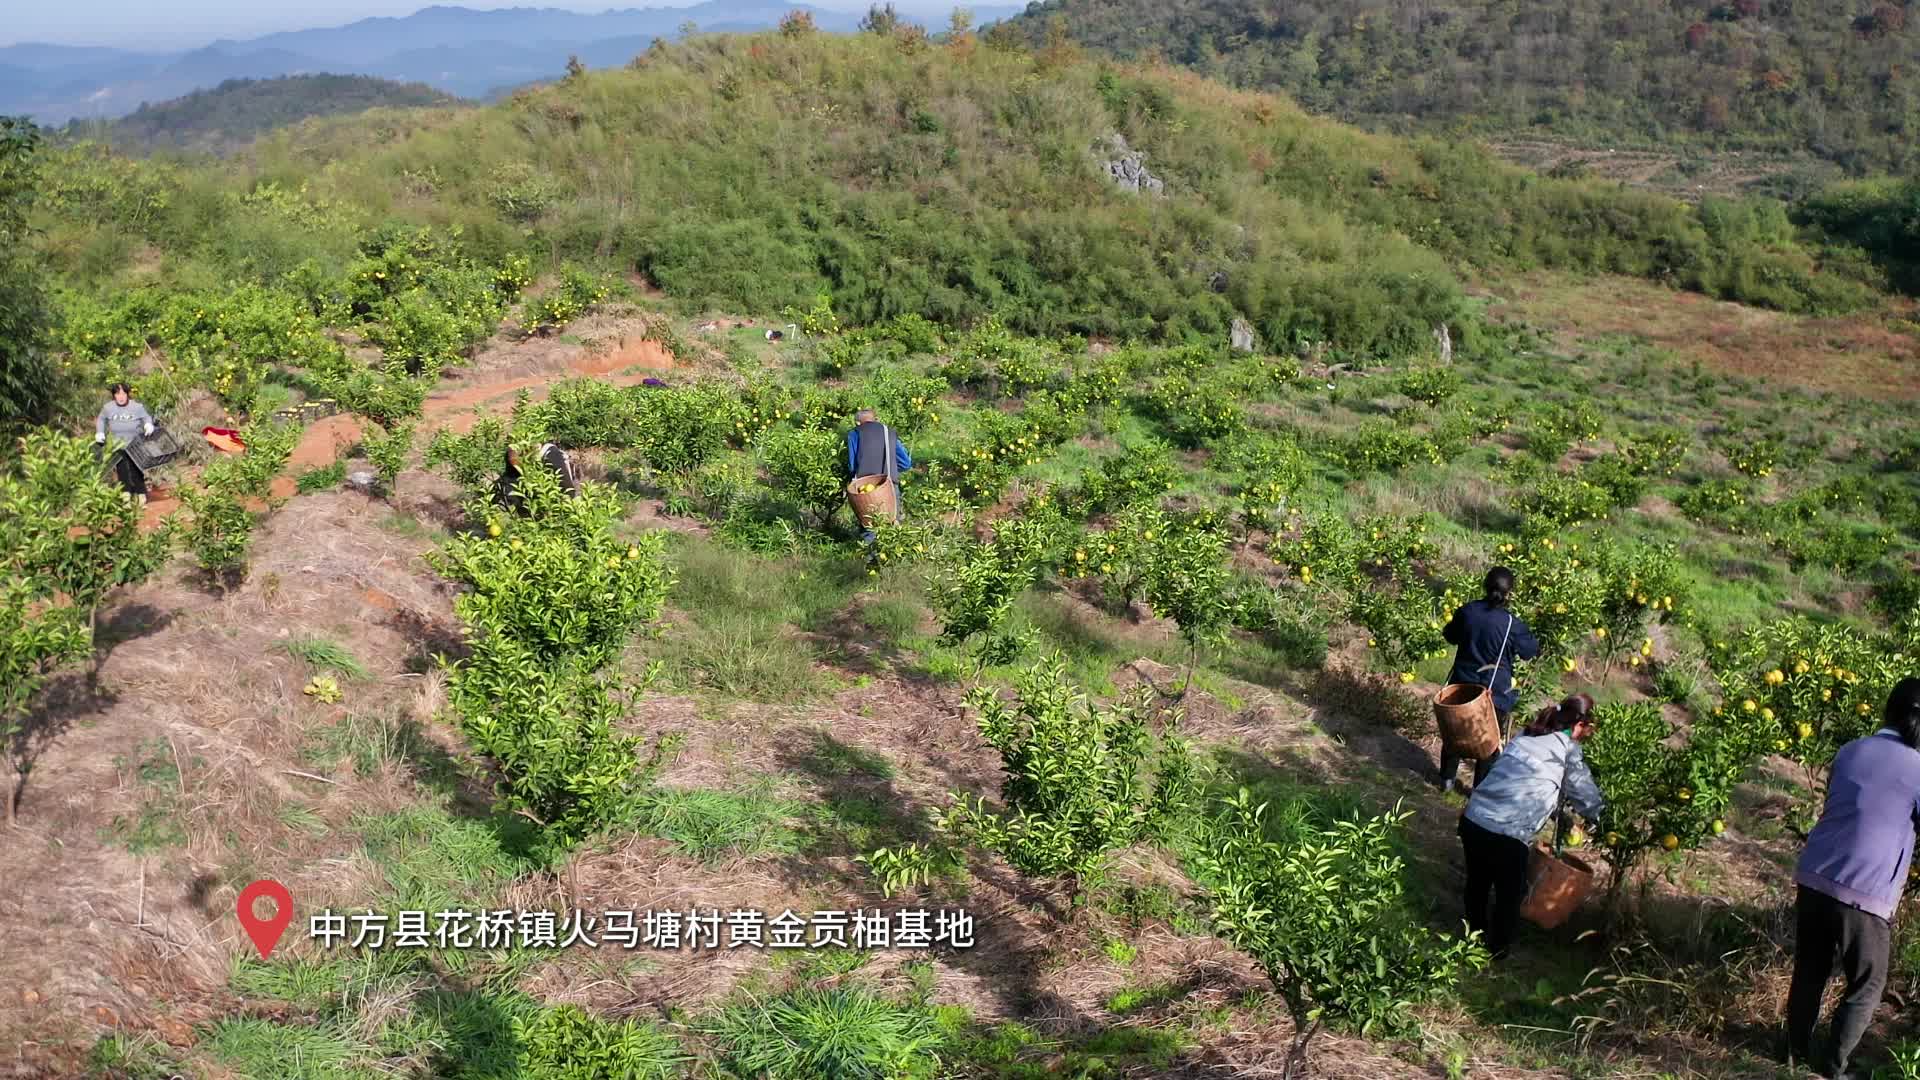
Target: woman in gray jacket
{"points": [[1542, 765], [127, 421]]}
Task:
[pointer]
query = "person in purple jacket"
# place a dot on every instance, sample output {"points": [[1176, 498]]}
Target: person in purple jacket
{"points": [[1850, 878]]}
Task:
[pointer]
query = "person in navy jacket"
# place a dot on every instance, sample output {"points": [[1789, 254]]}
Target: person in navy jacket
{"points": [[1850, 878], [1490, 638], [867, 455]]}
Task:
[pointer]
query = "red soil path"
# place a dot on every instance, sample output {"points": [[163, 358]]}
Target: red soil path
{"points": [[322, 442]]}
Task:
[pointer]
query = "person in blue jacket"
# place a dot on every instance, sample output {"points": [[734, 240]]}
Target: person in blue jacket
{"points": [[1490, 638], [867, 455], [1849, 881], [1541, 768]]}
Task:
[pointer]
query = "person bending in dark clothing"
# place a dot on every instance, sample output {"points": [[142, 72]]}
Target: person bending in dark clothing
{"points": [[506, 491], [1490, 638]]}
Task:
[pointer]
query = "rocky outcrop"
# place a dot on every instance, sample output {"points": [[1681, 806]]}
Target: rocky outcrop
{"points": [[1128, 167], [1242, 336]]}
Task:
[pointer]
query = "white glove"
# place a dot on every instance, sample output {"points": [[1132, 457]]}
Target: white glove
{"points": [[99, 437], [149, 429]]}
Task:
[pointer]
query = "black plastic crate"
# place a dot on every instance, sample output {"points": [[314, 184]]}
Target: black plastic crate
{"points": [[154, 450]]}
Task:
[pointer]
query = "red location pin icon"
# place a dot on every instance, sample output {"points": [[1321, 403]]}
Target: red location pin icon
{"points": [[265, 932]]}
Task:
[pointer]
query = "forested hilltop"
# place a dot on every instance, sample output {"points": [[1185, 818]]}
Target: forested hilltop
{"points": [[239, 110], [951, 180], [1836, 78]]}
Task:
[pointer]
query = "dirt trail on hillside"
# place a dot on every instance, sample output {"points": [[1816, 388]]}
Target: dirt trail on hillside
{"points": [[625, 362]]}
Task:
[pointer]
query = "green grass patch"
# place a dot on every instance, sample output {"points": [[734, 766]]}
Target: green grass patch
{"points": [[746, 615], [741, 656], [325, 654], [1141, 904], [433, 860], [155, 824], [863, 822], [371, 743], [331, 981], [845, 1032], [711, 825], [280, 1050], [301, 818], [133, 1056], [1135, 998], [321, 478], [829, 963], [409, 526]]}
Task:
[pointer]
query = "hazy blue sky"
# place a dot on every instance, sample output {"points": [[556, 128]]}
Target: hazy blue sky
{"points": [[171, 24]]}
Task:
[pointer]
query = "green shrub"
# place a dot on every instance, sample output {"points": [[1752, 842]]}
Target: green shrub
{"points": [[912, 331], [558, 582], [908, 403], [1186, 579], [973, 595], [414, 330], [1559, 499], [1385, 446], [681, 428], [1897, 599], [65, 528], [36, 639], [580, 413], [578, 292], [1323, 909], [250, 474], [472, 459], [1754, 456], [386, 395], [1814, 687], [1556, 428], [551, 597], [1722, 502], [219, 531], [1080, 780], [566, 1043], [1663, 793], [806, 465], [522, 193], [550, 732], [388, 452], [1272, 470], [911, 865], [1430, 384], [1143, 472], [1196, 413]]}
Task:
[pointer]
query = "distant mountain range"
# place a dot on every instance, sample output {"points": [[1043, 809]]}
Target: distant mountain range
{"points": [[455, 50]]}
